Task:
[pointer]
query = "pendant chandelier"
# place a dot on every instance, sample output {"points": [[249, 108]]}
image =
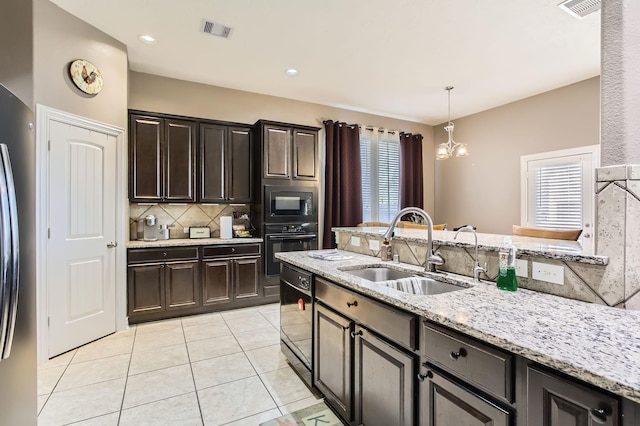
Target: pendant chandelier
{"points": [[450, 148]]}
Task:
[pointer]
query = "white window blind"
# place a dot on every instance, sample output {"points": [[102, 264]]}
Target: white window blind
{"points": [[558, 196], [557, 190], [380, 157]]}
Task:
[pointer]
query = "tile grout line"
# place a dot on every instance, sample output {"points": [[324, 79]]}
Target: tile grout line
{"points": [[193, 376], [126, 377]]}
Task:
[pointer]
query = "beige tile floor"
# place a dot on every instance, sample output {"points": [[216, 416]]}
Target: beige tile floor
{"points": [[214, 369]]}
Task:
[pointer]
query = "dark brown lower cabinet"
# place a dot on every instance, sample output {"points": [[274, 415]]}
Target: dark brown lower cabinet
{"points": [[156, 288], [556, 401], [385, 382], [445, 402], [226, 281], [333, 371], [366, 379]]}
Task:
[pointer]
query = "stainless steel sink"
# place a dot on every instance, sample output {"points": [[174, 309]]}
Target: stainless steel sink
{"points": [[422, 285], [407, 282], [379, 274]]}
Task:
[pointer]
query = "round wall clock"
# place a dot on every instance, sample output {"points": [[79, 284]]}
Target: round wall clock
{"points": [[86, 76]]}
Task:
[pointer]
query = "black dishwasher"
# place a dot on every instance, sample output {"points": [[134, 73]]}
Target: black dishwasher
{"points": [[296, 319]]}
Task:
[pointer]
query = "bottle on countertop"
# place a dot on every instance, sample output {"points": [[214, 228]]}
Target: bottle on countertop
{"points": [[385, 252], [507, 279]]}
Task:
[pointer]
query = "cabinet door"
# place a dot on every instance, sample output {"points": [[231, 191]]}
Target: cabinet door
{"points": [[277, 146], [554, 401], [246, 277], [146, 292], [239, 165], [180, 160], [305, 146], [384, 382], [212, 160], [182, 283], [446, 403], [216, 282], [333, 371], [146, 135]]}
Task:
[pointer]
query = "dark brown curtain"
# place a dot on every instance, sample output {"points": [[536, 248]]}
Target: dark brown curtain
{"points": [[343, 179], [411, 170]]}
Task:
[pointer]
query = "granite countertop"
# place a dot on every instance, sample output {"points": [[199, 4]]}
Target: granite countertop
{"points": [[597, 344], [177, 242], [570, 251]]}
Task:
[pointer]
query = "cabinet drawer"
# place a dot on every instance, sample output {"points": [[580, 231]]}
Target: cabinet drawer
{"points": [[390, 322], [162, 254], [483, 366], [230, 250]]}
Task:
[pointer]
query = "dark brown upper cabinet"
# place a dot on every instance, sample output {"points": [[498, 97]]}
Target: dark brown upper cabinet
{"points": [[162, 159], [289, 151], [226, 168]]}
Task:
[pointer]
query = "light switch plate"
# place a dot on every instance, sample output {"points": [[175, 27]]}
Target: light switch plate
{"points": [[522, 268], [548, 273], [374, 245], [355, 241]]}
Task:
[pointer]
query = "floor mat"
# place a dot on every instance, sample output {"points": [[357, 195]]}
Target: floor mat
{"points": [[315, 415]]}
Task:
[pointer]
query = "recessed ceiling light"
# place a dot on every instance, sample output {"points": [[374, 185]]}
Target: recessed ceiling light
{"points": [[292, 72], [146, 38]]}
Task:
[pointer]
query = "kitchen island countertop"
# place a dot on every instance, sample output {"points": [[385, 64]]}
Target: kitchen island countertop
{"points": [[179, 242], [597, 344]]}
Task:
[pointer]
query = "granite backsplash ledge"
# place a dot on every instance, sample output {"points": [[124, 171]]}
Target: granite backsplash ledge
{"points": [[181, 216], [584, 272]]}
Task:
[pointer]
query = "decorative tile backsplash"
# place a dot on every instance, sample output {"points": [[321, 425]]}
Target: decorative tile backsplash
{"points": [[181, 216], [582, 281]]}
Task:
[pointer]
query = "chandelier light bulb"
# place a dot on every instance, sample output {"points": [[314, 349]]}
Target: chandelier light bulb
{"points": [[450, 148]]}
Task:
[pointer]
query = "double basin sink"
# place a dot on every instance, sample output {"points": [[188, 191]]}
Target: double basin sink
{"points": [[407, 282]]}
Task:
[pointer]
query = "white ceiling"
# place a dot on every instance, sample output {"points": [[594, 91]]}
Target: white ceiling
{"points": [[386, 57]]}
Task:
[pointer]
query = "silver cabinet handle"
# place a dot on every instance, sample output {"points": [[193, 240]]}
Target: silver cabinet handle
{"points": [[112, 244]]}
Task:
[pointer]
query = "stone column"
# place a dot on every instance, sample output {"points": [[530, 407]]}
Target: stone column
{"points": [[618, 181]]}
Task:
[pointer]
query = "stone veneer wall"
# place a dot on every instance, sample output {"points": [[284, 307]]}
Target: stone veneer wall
{"points": [[618, 232], [180, 216], [586, 282]]}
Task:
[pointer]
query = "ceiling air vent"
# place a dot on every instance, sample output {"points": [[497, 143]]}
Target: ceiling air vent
{"points": [[215, 29], [580, 8]]}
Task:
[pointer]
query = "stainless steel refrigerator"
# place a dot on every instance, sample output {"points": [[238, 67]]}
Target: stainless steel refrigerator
{"points": [[18, 371]]}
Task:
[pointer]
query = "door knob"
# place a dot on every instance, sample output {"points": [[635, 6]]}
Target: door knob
{"points": [[112, 244]]}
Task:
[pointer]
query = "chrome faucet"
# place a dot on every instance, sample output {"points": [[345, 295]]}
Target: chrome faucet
{"points": [[432, 259], [477, 269]]}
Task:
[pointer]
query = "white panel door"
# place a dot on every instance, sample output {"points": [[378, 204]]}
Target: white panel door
{"points": [[82, 225]]}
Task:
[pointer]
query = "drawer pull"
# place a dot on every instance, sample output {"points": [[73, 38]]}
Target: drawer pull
{"points": [[455, 355], [599, 415], [350, 304], [426, 375], [356, 333], [164, 253]]}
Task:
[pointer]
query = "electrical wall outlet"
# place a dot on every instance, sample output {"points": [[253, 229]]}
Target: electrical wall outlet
{"points": [[355, 241], [185, 230], [548, 273], [374, 245], [522, 268]]}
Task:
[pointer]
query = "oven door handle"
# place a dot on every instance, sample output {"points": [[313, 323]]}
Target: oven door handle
{"points": [[292, 237]]}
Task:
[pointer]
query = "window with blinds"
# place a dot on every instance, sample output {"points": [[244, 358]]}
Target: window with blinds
{"points": [[557, 190], [558, 196], [380, 157]]}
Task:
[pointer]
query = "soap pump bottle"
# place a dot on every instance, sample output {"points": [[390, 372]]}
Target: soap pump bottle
{"points": [[385, 251], [507, 266]]}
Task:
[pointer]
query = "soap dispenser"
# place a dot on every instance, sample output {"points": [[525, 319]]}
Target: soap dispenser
{"points": [[507, 266]]}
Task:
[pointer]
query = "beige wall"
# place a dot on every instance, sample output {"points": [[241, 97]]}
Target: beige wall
{"points": [[484, 188], [60, 38], [16, 49], [159, 94]]}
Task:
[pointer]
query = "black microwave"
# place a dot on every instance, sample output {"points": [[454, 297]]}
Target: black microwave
{"points": [[290, 204]]}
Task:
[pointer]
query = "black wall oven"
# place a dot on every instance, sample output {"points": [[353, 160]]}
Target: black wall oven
{"points": [[285, 238], [296, 319], [290, 204]]}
